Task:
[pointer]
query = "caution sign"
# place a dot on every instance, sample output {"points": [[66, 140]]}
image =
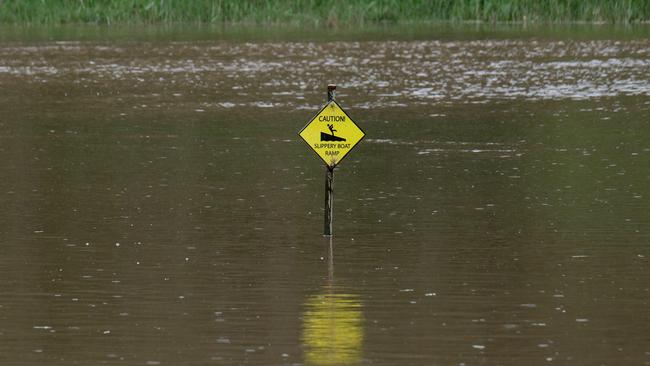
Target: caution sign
{"points": [[332, 134]]}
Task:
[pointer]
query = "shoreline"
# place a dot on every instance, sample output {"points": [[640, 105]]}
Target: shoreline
{"points": [[276, 32], [321, 14]]}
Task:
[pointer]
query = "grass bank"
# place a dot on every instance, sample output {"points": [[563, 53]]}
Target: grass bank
{"points": [[330, 13]]}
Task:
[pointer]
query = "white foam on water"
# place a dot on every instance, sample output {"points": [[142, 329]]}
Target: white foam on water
{"points": [[391, 74]]}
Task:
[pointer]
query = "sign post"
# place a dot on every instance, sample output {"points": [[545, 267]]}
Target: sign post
{"points": [[329, 177], [332, 135]]}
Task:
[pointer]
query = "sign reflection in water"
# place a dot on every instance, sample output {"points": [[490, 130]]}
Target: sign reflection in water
{"points": [[333, 325]]}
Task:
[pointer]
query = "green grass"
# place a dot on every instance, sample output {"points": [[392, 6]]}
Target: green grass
{"points": [[320, 12]]}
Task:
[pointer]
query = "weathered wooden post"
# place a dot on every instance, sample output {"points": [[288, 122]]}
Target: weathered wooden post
{"points": [[329, 200], [331, 134], [329, 179]]}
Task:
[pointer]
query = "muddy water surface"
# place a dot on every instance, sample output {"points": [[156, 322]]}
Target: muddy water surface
{"points": [[159, 209]]}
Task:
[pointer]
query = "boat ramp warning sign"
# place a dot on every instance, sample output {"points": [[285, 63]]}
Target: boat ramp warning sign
{"points": [[332, 134]]}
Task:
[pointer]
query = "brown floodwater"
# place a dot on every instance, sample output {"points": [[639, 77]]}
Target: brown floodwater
{"points": [[158, 207]]}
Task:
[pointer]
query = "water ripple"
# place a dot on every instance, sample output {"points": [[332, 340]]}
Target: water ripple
{"points": [[387, 74]]}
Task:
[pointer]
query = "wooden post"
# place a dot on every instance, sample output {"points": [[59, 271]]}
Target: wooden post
{"points": [[329, 180], [331, 89], [329, 200]]}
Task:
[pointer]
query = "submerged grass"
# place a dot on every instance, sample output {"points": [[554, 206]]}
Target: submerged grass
{"points": [[320, 12]]}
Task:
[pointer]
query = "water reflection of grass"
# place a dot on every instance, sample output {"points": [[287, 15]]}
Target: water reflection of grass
{"points": [[319, 13], [333, 329]]}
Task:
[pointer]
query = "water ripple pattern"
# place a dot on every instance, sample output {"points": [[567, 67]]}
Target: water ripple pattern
{"points": [[388, 74]]}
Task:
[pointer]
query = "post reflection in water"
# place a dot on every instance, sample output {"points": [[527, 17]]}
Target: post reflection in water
{"points": [[333, 324]]}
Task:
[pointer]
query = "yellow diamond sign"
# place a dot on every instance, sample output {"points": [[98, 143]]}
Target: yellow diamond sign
{"points": [[332, 134]]}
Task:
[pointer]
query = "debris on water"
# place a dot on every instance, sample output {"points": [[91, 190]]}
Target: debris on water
{"points": [[263, 104]]}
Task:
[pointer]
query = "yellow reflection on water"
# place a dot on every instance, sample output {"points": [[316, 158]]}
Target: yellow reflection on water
{"points": [[332, 326], [333, 332]]}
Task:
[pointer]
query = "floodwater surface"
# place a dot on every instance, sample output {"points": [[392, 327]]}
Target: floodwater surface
{"points": [[158, 207]]}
